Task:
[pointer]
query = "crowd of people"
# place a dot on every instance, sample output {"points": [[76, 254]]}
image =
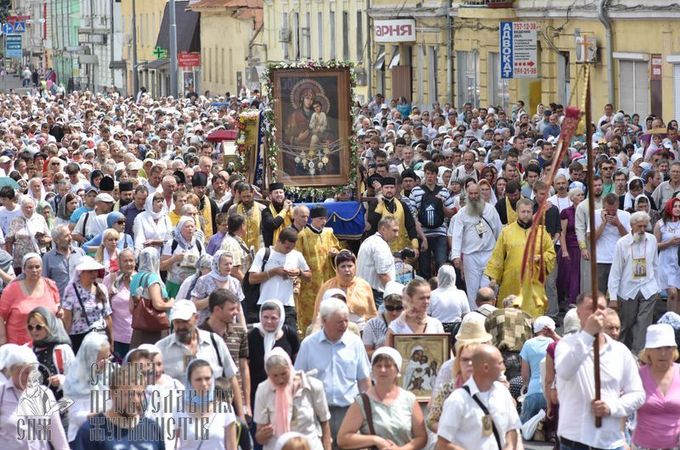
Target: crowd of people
{"points": [[153, 298]]}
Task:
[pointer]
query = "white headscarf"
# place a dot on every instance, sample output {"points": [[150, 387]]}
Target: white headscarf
{"points": [[270, 337], [284, 438], [183, 243], [78, 374], [148, 207], [215, 266]]}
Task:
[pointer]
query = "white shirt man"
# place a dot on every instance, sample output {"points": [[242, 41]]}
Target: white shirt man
{"points": [[462, 419], [473, 233], [632, 281], [580, 227], [610, 224], [621, 386], [375, 262]]}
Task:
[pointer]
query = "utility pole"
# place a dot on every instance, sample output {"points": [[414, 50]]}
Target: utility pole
{"points": [[173, 49], [135, 74]]}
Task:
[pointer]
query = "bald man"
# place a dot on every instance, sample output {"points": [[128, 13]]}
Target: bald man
{"points": [[482, 414], [300, 217]]}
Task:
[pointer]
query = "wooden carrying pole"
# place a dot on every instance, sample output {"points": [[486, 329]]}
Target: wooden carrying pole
{"points": [[591, 218]]}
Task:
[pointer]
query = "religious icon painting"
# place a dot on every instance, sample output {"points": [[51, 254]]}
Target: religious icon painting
{"points": [[423, 356], [313, 122]]}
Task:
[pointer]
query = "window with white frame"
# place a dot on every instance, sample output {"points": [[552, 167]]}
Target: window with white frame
{"points": [[634, 86], [498, 87]]}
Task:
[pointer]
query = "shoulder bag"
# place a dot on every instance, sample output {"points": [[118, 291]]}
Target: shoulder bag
{"points": [[368, 411], [145, 317]]}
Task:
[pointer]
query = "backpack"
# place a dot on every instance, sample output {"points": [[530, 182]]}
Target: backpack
{"points": [[431, 211], [251, 293]]}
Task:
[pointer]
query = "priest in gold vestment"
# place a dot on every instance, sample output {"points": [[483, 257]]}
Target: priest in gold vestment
{"points": [[319, 246], [505, 265]]}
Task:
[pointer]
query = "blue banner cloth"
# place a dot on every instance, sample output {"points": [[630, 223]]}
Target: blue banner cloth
{"points": [[346, 218]]}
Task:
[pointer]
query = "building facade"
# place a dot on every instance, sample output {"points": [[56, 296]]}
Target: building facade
{"points": [[100, 33], [227, 65], [296, 30]]}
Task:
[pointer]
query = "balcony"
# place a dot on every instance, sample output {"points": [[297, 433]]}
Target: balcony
{"points": [[486, 3]]}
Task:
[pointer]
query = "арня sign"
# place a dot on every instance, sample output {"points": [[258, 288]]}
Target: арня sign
{"points": [[397, 30], [518, 50]]}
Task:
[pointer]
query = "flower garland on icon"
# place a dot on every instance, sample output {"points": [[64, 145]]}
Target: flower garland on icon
{"points": [[246, 118], [313, 160]]}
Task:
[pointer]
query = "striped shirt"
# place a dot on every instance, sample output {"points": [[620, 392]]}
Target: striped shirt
{"points": [[448, 200]]}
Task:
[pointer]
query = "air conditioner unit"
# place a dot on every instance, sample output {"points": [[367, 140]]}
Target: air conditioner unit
{"points": [[586, 49], [284, 35]]}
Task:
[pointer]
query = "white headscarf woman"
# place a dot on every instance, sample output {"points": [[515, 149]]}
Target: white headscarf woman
{"points": [[270, 337], [85, 376], [153, 224], [182, 241]]}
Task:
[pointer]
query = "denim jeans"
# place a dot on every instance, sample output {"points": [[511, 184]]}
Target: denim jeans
{"points": [[437, 249], [531, 405]]}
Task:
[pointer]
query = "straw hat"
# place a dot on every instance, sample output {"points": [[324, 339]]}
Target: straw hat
{"points": [[472, 332]]}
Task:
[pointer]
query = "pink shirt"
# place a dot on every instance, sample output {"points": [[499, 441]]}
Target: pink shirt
{"points": [[15, 307], [120, 306], [658, 419]]}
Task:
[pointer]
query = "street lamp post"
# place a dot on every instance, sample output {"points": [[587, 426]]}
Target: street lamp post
{"points": [[173, 49]]}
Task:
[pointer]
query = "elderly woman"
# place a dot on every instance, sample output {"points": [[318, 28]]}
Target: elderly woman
{"points": [[569, 257], [22, 296], [86, 304], [218, 278], [667, 233], [269, 333], [86, 381], [180, 254], [152, 227], [414, 318], [146, 285], [658, 419], [642, 203], [448, 304], [375, 330], [27, 233], [290, 401], [118, 285], [386, 416], [23, 384], [219, 433], [358, 292], [52, 347], [203, 267]]}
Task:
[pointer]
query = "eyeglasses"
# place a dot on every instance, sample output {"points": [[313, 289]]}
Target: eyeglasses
{"points": [[121, 222], [36, 327], [393, 308]]}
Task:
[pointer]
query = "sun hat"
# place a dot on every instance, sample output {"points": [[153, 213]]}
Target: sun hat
{"points": [[88, 263], [472, 332], [660, 335]]}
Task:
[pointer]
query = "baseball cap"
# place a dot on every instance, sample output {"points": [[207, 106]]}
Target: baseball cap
{"points": [[183, 310], [103, 197]]}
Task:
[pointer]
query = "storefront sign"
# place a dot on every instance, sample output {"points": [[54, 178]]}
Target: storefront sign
{"points": [[398, 30], [189, 59]]}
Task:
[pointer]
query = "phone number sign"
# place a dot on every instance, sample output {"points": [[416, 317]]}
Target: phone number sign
{"points": [[518, 45]]}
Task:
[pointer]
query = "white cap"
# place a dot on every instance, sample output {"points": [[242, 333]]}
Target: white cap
{"points": [[183, 310], [543, 322], [135, 165], [571, 323], [392, 287], [442, 130], [390, 352], [104, 197], [334, 292], [660, 335]]}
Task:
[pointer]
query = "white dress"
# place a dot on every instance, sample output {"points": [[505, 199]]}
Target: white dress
{"points": [[669, 271], [216, 428]]}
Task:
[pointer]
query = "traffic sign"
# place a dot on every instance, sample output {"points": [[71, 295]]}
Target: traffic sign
{"points": [[20, 27], [518, 50], [188, 59], [7, 28], [13, 48]]}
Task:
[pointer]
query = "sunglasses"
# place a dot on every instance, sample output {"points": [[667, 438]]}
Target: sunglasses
{"points": [[394, 308], [36, 327], [121, 222]]}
